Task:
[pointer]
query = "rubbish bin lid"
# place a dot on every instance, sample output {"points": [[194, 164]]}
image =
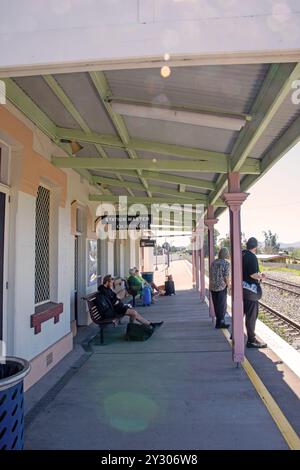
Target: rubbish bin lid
{"points": [[23, 368]]}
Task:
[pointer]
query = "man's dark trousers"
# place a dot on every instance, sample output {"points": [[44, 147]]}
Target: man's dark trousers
{"points": [[220, 304], [251, 314]]}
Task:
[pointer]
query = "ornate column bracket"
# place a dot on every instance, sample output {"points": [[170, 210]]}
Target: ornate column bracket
{"points": [[234, 200], [210, 223]]}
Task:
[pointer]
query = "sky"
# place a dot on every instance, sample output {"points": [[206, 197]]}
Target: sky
{"points": [[273, 204]]}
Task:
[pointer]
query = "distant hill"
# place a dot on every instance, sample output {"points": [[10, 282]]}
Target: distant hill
{"points": [[290, 245]]}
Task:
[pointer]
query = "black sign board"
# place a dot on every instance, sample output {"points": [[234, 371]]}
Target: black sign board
{"points": [[146, 242], [127, 222]]}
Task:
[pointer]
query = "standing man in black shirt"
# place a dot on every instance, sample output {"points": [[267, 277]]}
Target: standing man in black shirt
{"points": [[251, 291]]}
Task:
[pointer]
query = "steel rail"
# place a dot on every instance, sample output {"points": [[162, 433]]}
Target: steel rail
{"points": [[280, 315]]}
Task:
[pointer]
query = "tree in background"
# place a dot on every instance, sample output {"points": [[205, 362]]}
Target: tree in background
{"points": [[271, 244], [205, 244], [293, 252], [226, 243]]}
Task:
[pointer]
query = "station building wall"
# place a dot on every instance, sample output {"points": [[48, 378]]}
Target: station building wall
{"points": [[25, 155]]}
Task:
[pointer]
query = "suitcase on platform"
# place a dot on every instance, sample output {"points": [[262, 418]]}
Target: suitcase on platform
{"points": [[146, 296]]}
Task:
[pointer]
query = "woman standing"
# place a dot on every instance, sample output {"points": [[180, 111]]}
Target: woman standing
{"points": [[219, 282]]}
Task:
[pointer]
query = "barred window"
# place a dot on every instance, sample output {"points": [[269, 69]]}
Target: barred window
{"points": [[42, 228]]}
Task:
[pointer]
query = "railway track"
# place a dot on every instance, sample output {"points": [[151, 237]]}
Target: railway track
{"points": [[283, 285], [279, 320]]}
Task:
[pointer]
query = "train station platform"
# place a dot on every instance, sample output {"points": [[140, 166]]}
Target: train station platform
{"points": [[179, 390]]}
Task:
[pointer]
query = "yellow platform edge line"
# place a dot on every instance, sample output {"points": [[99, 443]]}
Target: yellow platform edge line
{"points": [[287, 431]]}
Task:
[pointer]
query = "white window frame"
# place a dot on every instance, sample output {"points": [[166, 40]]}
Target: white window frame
{"points": [[49, 265]]}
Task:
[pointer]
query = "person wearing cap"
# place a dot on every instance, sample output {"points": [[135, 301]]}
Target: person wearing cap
{"points": [[219, 283], [120, 309], [251, 291]]}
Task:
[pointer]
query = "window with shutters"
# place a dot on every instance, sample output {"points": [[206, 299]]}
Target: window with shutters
{"points": [[42, 248]]}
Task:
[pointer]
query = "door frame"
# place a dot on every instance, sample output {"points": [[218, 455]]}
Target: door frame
{"points": [[5, 190]]}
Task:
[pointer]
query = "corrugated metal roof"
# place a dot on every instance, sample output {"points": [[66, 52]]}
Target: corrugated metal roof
{"points": [[138, 193], [131, 179], [194, 175], [284, 117], [230, 88], [163, 184], [88, 150], [115, 153], [80, 90], [227, 88], [207, 138], [38, 90]]}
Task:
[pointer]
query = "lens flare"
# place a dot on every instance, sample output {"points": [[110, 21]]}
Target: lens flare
{"points": [[165, 71], [130, 412]]}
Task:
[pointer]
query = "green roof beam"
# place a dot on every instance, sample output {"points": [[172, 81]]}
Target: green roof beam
{"points": [[102, 88], [65, 100], [273, 91], [141, 164], [286, 142], [69, 106], [115, 164], [148, 200], [25, 104], [139, 144], [137, 186], [154, 200], [204, 109], [193, 182]]}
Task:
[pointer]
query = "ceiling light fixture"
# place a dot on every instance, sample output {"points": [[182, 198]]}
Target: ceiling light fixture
{"points": [[219, 121]]}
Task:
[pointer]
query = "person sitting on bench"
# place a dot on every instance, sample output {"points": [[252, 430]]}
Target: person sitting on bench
{"points": [[170, 286], [134, 281], [151, 284], [119, 308]]}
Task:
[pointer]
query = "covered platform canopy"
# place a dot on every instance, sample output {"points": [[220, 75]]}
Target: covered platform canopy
{"points": [[170, 139], [204, 134]]}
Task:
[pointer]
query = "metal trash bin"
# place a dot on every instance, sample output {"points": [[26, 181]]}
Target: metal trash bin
{"points": [[148, 276], [12, 372]]}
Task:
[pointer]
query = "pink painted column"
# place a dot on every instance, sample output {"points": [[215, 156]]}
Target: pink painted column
{"points": [[202, 275], [210, 222], [234, 198], [193, 267], [197, 269]]}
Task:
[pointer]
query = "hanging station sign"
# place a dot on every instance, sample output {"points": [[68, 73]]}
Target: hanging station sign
{"points": [[127, 222], [147, 242]]}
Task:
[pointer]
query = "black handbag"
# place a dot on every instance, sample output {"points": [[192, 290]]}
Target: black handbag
{"points": [[249, 294]]}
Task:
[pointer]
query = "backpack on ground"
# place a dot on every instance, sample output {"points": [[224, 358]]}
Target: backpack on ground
{"points": [[136, 332]]}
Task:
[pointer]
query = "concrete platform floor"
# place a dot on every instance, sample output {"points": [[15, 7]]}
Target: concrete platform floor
{"points": [[178, 390]]}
